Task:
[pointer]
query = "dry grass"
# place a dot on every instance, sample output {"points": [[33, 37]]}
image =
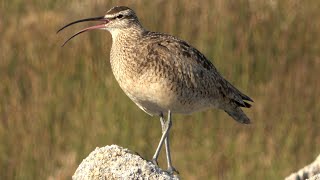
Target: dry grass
{"points": [[57, 104]]}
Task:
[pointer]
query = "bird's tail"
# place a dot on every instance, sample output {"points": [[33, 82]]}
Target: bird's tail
{"points": [[237, 114]]}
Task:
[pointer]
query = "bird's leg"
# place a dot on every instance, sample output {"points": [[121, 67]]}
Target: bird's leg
{"points": [[163, 137], [167, 125]]}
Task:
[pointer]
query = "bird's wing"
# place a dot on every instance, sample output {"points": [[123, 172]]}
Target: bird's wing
{"points": [[191, 67]]}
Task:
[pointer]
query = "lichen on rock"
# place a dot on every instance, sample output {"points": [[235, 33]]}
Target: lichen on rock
{"points": [[114, 162]]}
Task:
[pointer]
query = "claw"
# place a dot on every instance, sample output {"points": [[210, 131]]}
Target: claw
{"points": [[155, 162], [171, 170]]}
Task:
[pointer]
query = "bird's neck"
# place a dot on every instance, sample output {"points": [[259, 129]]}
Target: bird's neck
{"points": [[123, 46], [127, 34]]}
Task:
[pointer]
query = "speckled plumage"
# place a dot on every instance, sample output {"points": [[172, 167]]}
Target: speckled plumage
{"points": [[160, 72], [163, 74]]}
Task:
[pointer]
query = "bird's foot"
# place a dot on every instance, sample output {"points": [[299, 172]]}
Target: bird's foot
{"points": [[171, 170], [155, 162]]}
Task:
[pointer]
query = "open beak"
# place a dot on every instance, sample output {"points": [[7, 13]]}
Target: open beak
{"points": [[99, 26]]}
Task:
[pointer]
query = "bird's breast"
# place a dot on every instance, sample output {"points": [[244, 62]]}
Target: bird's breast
{"points": [[152, 86], [151, 94]]}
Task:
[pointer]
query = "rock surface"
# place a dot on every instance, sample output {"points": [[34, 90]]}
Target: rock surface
{"points": [[316, 177], [114, 162], [311, 171]]}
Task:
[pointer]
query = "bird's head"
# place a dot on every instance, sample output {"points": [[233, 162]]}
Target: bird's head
{"points": [[116, 19]]}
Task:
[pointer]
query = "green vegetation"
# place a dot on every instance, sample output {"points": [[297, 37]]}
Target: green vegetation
{"points": [[57, 104]]}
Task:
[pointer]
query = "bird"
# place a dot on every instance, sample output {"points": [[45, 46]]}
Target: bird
{"points": [[164, 75]]}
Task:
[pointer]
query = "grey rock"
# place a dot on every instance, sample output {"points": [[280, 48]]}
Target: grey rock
{"points": [[316, 177], [311, 171], [114, 162]]}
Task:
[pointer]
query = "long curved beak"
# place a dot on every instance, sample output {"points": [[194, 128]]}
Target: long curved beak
{"points": [[99, 26]]}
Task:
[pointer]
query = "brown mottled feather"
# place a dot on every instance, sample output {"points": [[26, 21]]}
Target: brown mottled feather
{"points": [[161, 72]]}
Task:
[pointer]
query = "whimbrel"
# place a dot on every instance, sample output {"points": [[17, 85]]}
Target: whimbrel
{"points": [[163, 74]]}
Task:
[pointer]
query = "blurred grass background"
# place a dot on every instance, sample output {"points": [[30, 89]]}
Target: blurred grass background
{"points": [[58, 104]]}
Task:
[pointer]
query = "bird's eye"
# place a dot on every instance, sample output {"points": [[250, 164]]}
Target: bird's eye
{"points": [[119, 16]]}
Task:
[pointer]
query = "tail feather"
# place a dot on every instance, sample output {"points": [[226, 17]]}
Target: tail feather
{"points": [[238, 115], [237, 91], [245, 97], [245, 104]]}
